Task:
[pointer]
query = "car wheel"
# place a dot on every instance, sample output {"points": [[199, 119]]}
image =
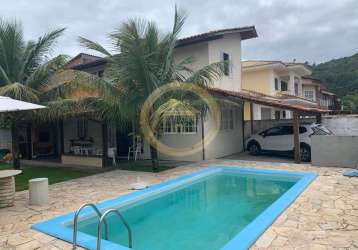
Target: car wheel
{"points": [[254, 148], [305, 152]]}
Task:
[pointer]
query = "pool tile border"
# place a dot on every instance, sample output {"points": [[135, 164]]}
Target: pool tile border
{"points": [[56, 227]]}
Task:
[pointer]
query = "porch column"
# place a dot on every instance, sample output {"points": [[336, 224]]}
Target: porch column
{"points": [[104, 144], [243, 125], [296, 136], [202, 135], [300, 88], [291, 84], [251, 118]]}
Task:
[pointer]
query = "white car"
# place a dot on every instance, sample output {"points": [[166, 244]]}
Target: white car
{"points": [[280, 139]]}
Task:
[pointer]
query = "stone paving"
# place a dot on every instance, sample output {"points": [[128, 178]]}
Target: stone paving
{"points": [[324, 216]]}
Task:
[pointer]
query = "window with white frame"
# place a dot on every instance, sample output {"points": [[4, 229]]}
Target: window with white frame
{"points": [[227, 117], [185, 124], [309, 95]]}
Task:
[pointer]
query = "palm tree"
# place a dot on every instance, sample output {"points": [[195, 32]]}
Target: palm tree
{"points": [[25, 66], [143, 60]]}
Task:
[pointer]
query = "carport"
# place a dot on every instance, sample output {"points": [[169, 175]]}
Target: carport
{"points": [[299, 107]]}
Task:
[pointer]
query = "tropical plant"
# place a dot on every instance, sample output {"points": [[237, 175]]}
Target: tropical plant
{"points": [[142, 59], [350, 103], [25, 66]]}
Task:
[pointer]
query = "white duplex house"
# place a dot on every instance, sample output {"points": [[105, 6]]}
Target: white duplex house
{"points": [[207, 48], [73, 134]]}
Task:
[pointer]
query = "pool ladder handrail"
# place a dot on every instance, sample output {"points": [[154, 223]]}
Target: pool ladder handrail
{"points": [[102, 219], [75, 222]]}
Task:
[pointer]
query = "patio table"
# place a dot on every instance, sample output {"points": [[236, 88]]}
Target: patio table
{"points": [[7, 187]]}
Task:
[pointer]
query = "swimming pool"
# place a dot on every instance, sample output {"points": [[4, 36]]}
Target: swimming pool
{"points": [[217, 208]]}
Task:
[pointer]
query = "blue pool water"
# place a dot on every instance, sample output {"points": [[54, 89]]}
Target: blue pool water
{"points": [[202, 214]]}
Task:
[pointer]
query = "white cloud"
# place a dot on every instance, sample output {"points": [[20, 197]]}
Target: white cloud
{"points": [[306, 30]]}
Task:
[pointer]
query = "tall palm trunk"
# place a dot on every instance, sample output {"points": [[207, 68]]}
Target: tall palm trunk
{"points": [[15, 145]]}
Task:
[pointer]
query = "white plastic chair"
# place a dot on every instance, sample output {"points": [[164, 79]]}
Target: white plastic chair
{"points": [[77, 150], [135, 149], [112, 154]]}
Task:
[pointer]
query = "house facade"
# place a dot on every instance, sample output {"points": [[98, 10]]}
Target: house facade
{"points": [[272, 78], [314, 90], [82, 141]]}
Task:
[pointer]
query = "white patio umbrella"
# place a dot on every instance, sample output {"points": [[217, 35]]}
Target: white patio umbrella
{"points": [[8, 104]]}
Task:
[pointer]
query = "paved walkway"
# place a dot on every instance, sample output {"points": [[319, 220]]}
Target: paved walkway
{"points": [[325, 216]]}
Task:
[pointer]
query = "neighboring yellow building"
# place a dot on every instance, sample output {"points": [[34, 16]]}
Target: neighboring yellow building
{"points": [[272, 78]]}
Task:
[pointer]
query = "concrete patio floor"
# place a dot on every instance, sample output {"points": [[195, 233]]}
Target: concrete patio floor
{"points": [[324, 216]]}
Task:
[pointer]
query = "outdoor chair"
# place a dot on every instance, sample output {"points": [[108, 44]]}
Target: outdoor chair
{"points": [[135, 149], [112, 154]]}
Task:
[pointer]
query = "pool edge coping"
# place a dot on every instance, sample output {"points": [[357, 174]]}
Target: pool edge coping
{"points": [[56, 226]]}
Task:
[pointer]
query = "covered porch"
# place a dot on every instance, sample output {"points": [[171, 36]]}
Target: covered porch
{"points": [[76, 141]]}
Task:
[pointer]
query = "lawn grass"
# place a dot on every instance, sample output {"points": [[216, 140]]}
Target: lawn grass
{"points": [[54, 174]]}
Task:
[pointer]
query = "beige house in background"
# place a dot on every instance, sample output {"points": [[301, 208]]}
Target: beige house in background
{"points": [[314, 90], [272, 78]]}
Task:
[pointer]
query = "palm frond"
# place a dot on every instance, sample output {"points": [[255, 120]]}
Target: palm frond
{"points": [[179, 20], [20, 92], [11, 47], [37, 53], [63, 109], [40, 77], [207, 75], [4, 79], [175, 108], [93, 46]]}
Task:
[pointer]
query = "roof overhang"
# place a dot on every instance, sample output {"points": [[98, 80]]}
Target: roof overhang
{"points": [[300, 69], [288, 103], [278, 66], [325, 92], [247, 32]]}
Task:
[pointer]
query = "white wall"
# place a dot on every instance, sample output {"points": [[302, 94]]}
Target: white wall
{"points": [[342, 124], [206, 53], [199, 52], [225, 143], [335, 151], [230, 44]]}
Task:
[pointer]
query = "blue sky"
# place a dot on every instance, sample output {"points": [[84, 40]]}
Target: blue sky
{"points": [[314, 31]]}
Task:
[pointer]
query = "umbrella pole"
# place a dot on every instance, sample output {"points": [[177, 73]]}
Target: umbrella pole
{"points": [[15, 143]]}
